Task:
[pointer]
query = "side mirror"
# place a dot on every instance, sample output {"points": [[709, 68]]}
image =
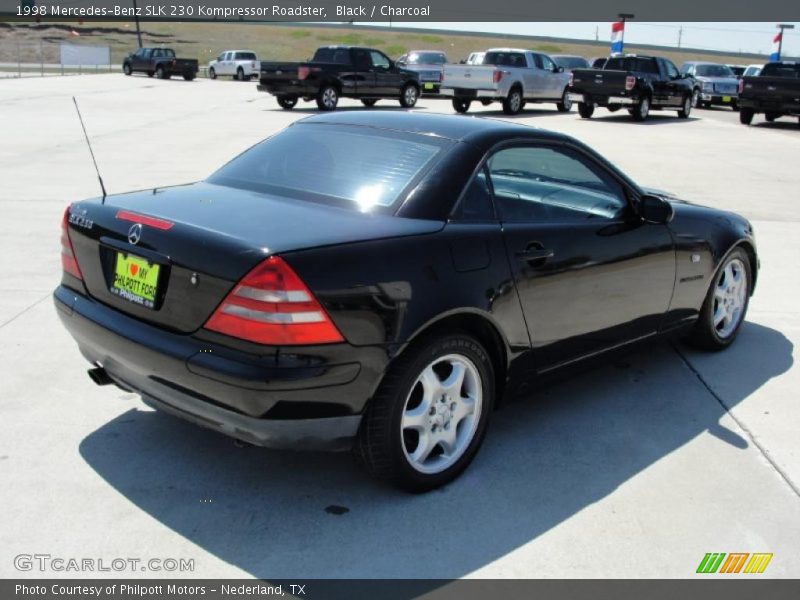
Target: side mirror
{"points": [[559, 69], [656, 210]]}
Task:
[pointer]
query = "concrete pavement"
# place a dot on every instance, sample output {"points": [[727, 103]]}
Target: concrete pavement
{"points": [[634, 469]]}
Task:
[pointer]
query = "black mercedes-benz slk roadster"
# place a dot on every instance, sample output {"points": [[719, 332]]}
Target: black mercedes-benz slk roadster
{"points": [[376, 282]]}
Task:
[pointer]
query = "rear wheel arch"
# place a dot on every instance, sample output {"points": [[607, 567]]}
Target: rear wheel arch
{"points": [[477, 325]]}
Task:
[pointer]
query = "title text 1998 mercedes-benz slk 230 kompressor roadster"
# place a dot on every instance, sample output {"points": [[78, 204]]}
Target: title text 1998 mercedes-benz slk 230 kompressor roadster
{"points": [[376, 281]]}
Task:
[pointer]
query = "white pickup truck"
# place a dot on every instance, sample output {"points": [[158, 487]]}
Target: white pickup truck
{"points": [[239, 64], [508, 75]]}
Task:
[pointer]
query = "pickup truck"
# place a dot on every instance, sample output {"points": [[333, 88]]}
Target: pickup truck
{"points": [[639, 83], [429, 65], [160, 62], [239, 64], [509, 75], [775, 93], [340, 72]]}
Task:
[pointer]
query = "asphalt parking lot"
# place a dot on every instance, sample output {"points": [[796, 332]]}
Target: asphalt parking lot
{"points": [[635, 469]]}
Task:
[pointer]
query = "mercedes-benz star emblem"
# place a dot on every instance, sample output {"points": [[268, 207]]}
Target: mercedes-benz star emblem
{"points": [[135, 233]]}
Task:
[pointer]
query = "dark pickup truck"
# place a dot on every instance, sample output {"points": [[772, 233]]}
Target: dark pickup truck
{"points": [[638, 83], [340, 72], [775, 93], [160, 62]]}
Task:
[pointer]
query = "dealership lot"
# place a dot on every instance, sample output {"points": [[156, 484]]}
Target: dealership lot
{"points": [[636, 469]]}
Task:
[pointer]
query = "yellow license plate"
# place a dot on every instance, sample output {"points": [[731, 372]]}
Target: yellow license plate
{"points": [[135, 279], [726, 98], [428, 86]]}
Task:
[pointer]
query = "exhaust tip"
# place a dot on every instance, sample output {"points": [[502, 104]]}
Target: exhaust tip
{"points": [[99, 376]]}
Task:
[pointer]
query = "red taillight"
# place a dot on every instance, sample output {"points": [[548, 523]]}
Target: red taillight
{"points": [[630, 82], [271, 305], [497, 76], [126, 215], [302, 72], [741, 85], [68, 262]]}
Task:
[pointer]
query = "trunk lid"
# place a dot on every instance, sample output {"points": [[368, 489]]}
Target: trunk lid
{"points": [[204, 239], [469, 76], [600, 82]]}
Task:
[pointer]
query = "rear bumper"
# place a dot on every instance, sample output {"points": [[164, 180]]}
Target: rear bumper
{"points": [[760, 105], [287, 88], [308, 398], [601, 100], [469, 94]]}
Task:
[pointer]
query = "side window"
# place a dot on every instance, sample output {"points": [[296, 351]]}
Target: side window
{"points": [[361, 60], [672, 71], [157, 53], [549, 65], [139, 53], [379, 60], [476, 204], [537, 61], [544, 184]]}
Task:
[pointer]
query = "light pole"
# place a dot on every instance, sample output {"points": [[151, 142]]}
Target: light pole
{"points": [[136, 19], [782, 26]]}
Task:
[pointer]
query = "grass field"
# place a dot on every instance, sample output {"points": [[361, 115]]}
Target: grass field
{"points": [[39, 42]]}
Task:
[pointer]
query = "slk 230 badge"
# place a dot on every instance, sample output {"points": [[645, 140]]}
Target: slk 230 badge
{"points": [[80, 220]]}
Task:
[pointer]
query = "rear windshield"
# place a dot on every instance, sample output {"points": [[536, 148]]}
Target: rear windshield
{"points": [[571, 62], [339, 56], [631, 63], [792, 71], [355, 167], [245, 56], [713, 71], [505, 59], [426, 58]]}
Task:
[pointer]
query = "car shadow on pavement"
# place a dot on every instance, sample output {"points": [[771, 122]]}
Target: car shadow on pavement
{"points": [[312, 108], [667, 118], [280, 515]]}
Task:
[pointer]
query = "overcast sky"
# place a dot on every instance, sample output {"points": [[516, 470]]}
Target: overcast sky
{"points": [[745, 37]]}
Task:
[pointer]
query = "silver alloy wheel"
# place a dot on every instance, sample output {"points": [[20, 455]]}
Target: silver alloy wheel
{"points": [[441, 413], [515, 101], [329, 98], [730, 298], [645, 109], [566, 102], [411, 95], [695, 98]]}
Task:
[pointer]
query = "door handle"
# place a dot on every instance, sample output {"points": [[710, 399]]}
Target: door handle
{"points": [[535, 253]]}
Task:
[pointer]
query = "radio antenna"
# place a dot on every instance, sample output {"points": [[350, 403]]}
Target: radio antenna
{"points": [[88, 143]]}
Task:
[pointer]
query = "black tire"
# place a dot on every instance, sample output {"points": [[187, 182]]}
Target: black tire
{"points": [[461, 105], [328, 97], [161, 73], [486, 102], [696, 98], [409, 96], [188, 76], [369, 101], [770, 117], [687, 108], [513, 103], [585, 110], [746, 116], [642, 110], [381, 448], [126, 68], [150, 73], [705, 334], [735, 106], [212, 73], [240, 74], [566, 104], [287, 102]]}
